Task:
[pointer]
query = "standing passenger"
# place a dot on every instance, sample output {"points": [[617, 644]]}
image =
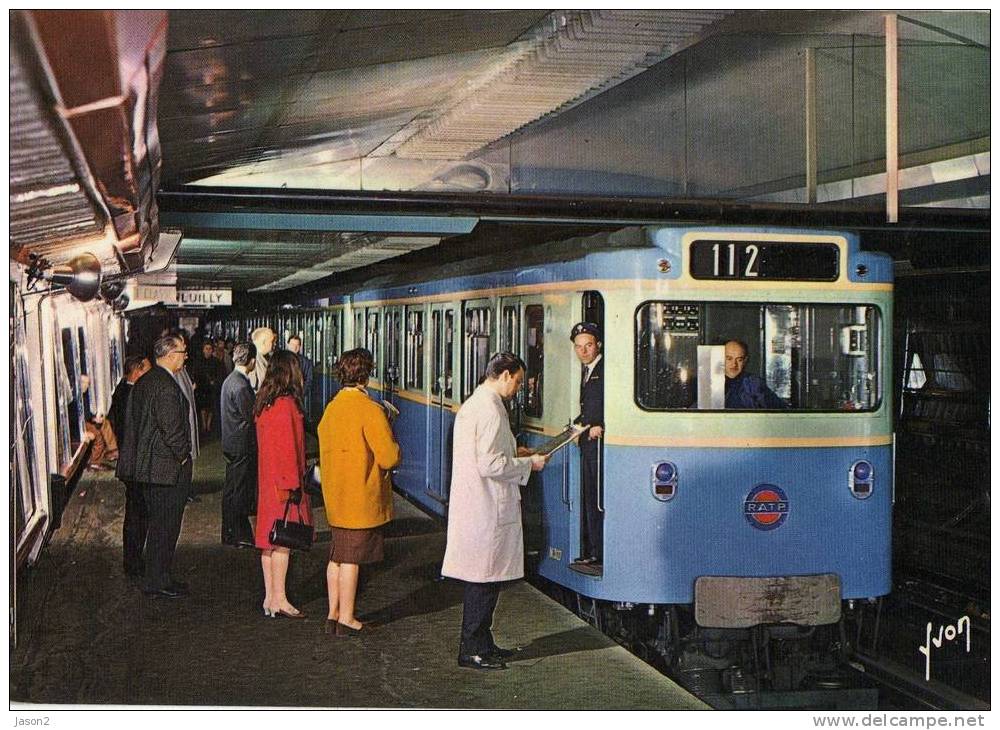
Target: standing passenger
{"points": [[281, 463], [295, 345], [135, 523], [183, 379], [485, 543], [239, 447], [223, 355], [263, 339], [357, 449], [157, 455], [208, 373]]}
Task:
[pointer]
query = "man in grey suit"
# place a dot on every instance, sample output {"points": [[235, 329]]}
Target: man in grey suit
{"points": [[156, 454], [239, 446]]}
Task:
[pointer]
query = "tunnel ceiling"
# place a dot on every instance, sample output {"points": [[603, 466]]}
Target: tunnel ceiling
{"points": [[531, 102]]}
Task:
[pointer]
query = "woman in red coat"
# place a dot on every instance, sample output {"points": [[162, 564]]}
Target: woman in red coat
{"points": [[281, 462]]}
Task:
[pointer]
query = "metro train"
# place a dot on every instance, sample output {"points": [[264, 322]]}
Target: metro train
{"points": [[66, 356], [736, 542]]}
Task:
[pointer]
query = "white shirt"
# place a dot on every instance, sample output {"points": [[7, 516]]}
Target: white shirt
{"points": [[590, 368]]}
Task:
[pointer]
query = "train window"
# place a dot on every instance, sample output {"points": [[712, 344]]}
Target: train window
{"points": [[477, 347], [74, 406], [806, 357], [393, 346], [415, 349], [371, 338], [442, 353], [534, 325], [21, 427], [509, 330], [449, 352], [359, 328]]}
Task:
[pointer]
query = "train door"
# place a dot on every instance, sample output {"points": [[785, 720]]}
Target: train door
{"points": [[440, 417], [590, 523], [392, 364], [522, 332]]}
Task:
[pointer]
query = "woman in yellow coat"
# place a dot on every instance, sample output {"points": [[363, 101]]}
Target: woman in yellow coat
{"points": [[356, 450]]}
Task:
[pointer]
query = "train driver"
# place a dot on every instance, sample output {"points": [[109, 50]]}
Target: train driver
{"points": [[586, 337], [745, 390]]}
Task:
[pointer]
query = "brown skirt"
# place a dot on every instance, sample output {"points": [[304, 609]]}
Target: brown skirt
{"points": [[357, 546]]}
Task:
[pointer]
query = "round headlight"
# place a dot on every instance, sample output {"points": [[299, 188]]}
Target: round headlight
{"points": [[665, 471], [862, 471]]}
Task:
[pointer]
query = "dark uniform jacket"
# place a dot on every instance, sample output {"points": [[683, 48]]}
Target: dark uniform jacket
{"points": [[239, 436], [592, 403], [747, 391], [157, 443]]}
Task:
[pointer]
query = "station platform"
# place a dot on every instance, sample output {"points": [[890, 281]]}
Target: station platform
{"points": [[88, 636]]}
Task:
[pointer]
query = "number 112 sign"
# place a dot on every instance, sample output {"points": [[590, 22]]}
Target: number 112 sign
{"points": [[764, 260]]}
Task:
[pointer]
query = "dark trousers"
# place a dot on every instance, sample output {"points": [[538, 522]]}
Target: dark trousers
{"points": [[238, 497], [134, 528], [477, 618], [165, 505], [593, 519]]}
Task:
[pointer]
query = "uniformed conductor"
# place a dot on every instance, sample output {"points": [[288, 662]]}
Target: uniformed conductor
{"points": [[586, 337]]}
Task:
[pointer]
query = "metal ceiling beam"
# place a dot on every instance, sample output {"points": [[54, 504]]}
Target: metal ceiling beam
{"points": [[302, 221], [420, 212]]}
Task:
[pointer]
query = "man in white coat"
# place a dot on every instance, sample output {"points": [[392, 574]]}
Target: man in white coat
{"points": [[485, 542]]}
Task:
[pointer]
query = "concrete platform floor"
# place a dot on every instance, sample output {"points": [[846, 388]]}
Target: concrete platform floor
{"points": [[86, 635]]}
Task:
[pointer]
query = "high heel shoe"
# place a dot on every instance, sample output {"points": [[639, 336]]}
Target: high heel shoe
{"points": [[268, 613], [287, 614], [345, 630]]}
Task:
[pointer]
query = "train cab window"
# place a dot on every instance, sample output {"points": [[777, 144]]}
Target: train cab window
{"points": [[534, 326], [804, 357], [478, 321], [414, 349]]}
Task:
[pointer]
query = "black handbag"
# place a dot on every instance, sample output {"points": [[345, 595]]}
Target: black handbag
{"points": [[294, 535]]}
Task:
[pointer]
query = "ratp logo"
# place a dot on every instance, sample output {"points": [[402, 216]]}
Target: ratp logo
{"points": [[766, 507]]}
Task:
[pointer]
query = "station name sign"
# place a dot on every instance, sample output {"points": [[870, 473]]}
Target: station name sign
{"points": [[204, 297]]}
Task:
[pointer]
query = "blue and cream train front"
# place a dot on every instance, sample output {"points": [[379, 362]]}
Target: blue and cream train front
{"points": [[697, 486]]}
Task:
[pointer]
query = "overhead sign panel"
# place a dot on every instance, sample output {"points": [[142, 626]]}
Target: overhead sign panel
{"points": [[204, 297]]}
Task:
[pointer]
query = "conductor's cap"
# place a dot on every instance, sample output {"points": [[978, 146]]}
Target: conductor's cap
{"points": [[585, 328]]}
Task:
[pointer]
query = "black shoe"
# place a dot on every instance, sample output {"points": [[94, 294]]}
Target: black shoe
{"points": [[500, 653], [168, 592], [476, 661]]}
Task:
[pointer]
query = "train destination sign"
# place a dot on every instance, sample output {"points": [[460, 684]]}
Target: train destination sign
{"points": [[749, 260], [204, 297]]}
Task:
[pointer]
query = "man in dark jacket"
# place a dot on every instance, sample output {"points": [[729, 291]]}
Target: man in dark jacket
{"points": [[239, 446], [745, 390], [586, 337], [157, 455], [135, 524]]}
